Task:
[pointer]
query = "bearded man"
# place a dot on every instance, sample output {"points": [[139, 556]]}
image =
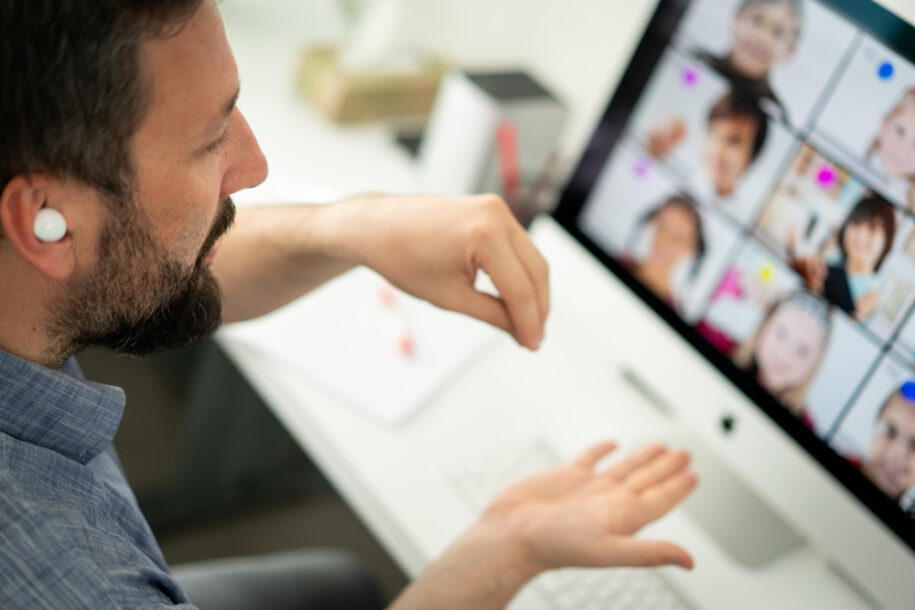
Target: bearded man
{"points": [[120, 146]]}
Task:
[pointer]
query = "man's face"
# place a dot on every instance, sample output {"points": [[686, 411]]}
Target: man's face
{"points": [[728, 151], [892, 459], [194, 147], [151, 287]]}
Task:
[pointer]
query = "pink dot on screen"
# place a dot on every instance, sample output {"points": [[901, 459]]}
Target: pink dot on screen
{"points": [[827, 176], [691, 77], [641, 168]]}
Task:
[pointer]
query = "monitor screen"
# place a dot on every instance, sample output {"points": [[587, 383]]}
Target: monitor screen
{"points": [[753, 179]]}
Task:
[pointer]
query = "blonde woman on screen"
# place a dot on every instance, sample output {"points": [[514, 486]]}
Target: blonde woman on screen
{"points": [[787, 348], [893, 151]]}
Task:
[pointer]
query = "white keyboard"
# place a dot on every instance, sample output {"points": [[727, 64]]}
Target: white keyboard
{"points": [[572, 588]]}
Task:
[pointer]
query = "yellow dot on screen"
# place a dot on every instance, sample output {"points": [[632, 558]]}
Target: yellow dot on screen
{"points": [[767, 273]]}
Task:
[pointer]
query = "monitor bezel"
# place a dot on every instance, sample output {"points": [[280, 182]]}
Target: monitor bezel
{"points": [[871, 18]]}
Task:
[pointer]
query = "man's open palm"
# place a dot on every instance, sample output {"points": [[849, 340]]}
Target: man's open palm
{"points": [[574, 516]]}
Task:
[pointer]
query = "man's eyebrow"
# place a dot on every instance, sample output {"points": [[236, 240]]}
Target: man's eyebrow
{"points": [[226, 111]]}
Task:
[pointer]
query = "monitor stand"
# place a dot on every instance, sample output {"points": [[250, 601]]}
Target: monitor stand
{"points": [[726, 504]]}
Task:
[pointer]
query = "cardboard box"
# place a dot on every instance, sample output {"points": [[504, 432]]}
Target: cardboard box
{"points": [[347, 97]]}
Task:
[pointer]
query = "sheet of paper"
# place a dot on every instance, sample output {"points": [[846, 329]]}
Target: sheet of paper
{"points": [[346, 339]]}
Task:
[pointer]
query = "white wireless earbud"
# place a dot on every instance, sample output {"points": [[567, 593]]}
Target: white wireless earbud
{"points": [[50, 225]]}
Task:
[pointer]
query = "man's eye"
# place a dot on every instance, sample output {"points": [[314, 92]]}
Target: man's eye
{"points": [[215, 146]]}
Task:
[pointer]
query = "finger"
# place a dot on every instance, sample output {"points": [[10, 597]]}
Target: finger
{"points": [[592, 455], [537, 269], [484, 307], [624, 467], [648, 553], [657, 471], [658, 500], [502, 265], [819, 267], [791, 246]]}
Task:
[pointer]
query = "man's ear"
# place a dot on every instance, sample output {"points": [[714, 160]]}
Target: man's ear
{"points": [[20, 202]]}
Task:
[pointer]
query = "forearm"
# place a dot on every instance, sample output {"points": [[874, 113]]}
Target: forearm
{"points": [[483, 570], [275, 254]]}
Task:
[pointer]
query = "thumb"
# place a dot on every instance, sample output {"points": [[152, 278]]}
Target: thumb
{"points": [[635, 552]]}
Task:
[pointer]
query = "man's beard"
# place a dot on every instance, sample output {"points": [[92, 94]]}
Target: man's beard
{"points": [[137, 301]]}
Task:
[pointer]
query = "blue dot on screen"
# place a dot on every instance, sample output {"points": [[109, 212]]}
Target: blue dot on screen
{"points": [[885, 71], [908, 391]]}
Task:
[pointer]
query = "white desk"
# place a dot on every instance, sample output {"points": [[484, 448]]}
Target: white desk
{"points": [[395, 478], [569, 393]]}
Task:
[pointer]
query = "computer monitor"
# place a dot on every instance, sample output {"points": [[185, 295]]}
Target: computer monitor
{"points": [[753, 182]]}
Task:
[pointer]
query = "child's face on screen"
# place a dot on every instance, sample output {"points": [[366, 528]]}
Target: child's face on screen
{"points": [[728, 150], [789, 348], [892, 461], [864, 243], [897, 143], [674, 236], [764, 34]]}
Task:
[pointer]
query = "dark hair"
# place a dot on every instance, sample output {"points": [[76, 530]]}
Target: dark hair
{"points": [[872, 209], [734, 105], [73, 92], [686, 204], [796, 7]]}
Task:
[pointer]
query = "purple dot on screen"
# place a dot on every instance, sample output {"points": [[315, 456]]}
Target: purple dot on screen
{"points": [[885, 70], [691, 77], [641, 168], [827, 176], [908, 391]]}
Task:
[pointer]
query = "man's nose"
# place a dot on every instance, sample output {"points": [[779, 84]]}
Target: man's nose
{"points": [[250, 166]]}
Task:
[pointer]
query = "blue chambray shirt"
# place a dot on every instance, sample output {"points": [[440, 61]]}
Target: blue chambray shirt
{"points": [[71, 532]]}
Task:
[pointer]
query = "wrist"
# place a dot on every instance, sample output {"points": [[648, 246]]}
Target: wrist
{"points": [[483, 570], [502, 535], [348, 231]]}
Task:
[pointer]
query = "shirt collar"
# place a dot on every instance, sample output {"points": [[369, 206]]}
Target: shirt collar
{"points": [[58, 410]]}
